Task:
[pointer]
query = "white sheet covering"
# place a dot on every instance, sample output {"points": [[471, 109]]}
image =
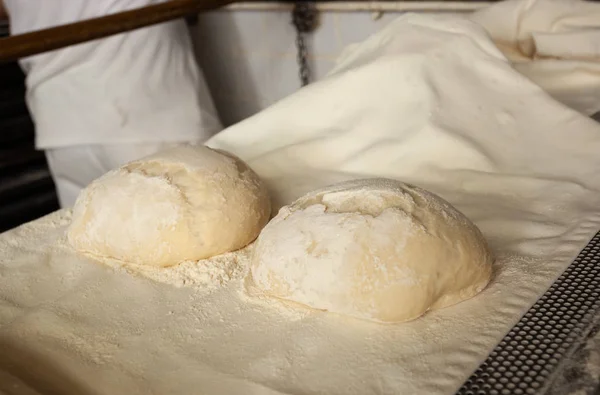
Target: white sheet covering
{"points": [[429, 100], [555, 43]]}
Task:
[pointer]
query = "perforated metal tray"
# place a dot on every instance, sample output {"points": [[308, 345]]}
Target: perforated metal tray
{"points": [[527, 358]]}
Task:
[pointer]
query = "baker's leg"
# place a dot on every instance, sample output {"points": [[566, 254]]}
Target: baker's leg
{"points": [[73, 168]]}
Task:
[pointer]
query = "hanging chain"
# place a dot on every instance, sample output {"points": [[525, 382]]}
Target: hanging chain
{"points": [[304, 19]]}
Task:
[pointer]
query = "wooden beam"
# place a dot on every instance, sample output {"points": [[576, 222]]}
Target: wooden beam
{"points": [[27, 44]]}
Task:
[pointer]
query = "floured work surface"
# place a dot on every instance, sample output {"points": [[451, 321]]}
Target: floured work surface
{"points": [[430, 101]]}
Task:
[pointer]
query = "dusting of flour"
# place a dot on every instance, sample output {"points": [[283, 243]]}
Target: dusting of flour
{"points": [[205, 274]]}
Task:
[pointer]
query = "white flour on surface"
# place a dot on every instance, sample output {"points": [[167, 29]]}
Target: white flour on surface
{"points": [[206, 275], [429, 101]]}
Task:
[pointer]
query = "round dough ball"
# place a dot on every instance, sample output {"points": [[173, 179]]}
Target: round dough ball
{"points": [[375, 249], [186, 203]]}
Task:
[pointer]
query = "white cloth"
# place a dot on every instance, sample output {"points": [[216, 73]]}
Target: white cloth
{"points": [[429, 100], [554, 43], [136, 87], [74, 167]]}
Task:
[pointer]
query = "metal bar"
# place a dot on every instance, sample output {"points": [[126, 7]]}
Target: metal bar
{"points": [[23, 45], [366, 6]]}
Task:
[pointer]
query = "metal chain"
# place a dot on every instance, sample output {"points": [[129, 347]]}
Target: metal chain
{"points": [[304, 19]]}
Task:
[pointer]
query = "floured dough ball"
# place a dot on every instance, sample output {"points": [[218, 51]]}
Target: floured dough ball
{"points": [[375, 249], [186, 203]]}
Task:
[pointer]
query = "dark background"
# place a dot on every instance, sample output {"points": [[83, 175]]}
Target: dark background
{"points": [[26, 188]]}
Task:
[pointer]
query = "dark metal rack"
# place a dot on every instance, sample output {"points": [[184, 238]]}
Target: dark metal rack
{"points": [[532, 354]]}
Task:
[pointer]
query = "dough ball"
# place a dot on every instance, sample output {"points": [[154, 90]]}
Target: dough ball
{"points": [[374, 249], [186, 203]]}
